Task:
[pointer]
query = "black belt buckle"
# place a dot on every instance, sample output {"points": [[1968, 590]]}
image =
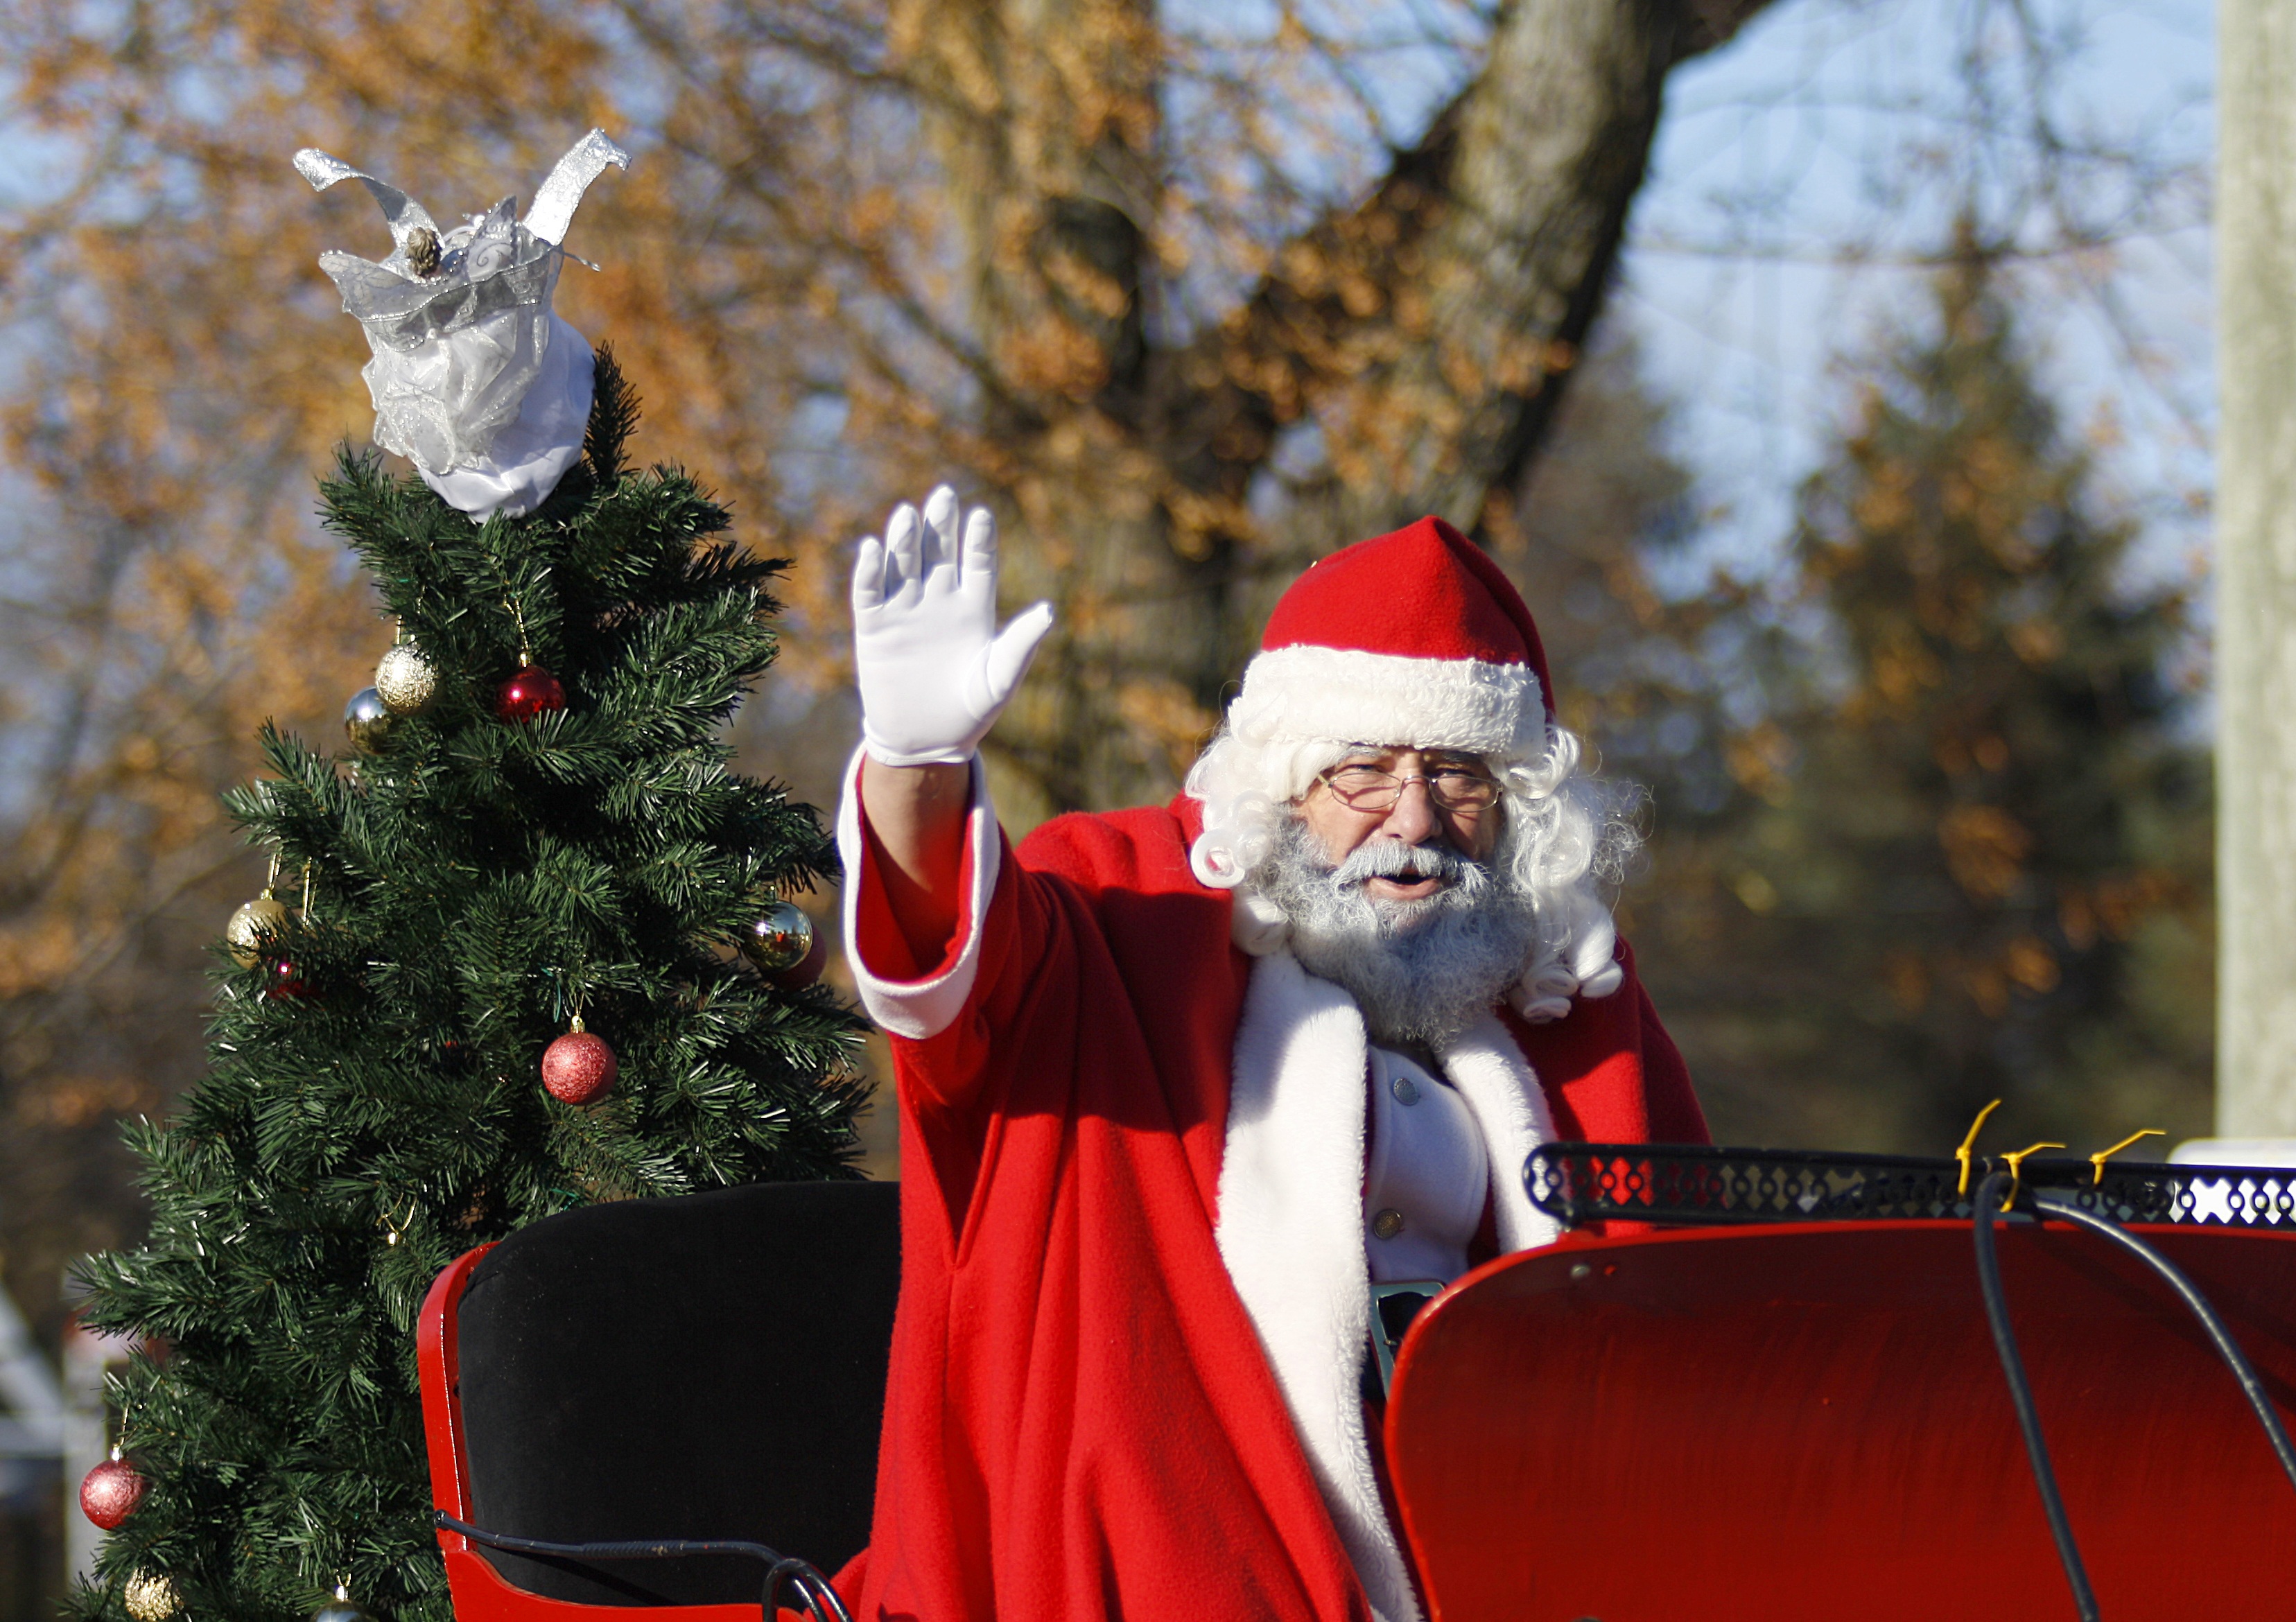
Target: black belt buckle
{"points": [[1393, 1307]]}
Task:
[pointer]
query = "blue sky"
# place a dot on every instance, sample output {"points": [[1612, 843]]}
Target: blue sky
{"points": [[1834, 129]]}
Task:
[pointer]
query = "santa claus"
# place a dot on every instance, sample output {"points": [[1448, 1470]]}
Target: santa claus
{"points": [[1180, 1085]]}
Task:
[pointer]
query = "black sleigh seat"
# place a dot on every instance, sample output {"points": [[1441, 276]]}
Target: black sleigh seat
{"points": [[704, 1368]]}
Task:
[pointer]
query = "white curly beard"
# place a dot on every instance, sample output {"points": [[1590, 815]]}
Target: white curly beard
{"points": [[1421, 971]]}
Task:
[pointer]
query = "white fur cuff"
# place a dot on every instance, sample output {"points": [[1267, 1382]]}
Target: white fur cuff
{"points": [[919, 1008]]}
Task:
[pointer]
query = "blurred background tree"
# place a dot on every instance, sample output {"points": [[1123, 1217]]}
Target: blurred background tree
{"points": [[1192, 295], [1963, 849], [1107, 267]]}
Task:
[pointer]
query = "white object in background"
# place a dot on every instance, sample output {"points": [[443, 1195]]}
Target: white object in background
{"points": [[86, 1443], [31, 1430], [475, 380], [2234, 1151]]}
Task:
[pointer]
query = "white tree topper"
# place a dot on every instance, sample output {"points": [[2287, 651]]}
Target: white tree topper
{"points": [[475, 379]]}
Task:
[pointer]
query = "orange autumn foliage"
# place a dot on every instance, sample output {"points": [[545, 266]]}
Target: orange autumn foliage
{"points": [[1092, 262]]}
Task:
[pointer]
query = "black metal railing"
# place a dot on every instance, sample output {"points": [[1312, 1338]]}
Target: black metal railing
{"points": [[783, 1572], [1577, 1183]]}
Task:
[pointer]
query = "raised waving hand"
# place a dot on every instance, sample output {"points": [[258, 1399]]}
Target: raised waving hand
{"points": [[933, 669]]}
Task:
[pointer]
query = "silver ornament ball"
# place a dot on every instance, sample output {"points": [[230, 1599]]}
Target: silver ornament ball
{"points": [[406, 681], [367, 721], [779, 939]]}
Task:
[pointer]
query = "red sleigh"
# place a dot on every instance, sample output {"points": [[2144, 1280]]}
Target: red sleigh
{"points": [[709, 1369], [1791, 1406]]}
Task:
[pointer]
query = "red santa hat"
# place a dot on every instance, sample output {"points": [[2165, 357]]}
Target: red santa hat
{"points": [[1414, 638]]}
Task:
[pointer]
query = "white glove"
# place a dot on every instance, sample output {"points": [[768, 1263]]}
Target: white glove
{"points": [[932, 666]]}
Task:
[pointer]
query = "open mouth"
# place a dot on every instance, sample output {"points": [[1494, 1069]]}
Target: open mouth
{"points": [[1385, 871], [1416, 876]]}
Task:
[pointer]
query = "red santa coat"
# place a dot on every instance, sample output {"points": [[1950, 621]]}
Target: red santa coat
{"points": [[1081, 1425]]}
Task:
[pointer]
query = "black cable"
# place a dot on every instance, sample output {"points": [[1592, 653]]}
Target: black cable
{"points": [[811, 1586], [1988, 1203], [2065, 1205]]}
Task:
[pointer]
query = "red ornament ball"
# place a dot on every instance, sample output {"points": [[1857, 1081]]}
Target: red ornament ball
{"points": [[533, 691], [578, 1067], [110, 1493], [286, 981]]}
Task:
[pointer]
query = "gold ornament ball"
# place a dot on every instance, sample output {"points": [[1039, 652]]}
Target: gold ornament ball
{"points": [[253, 928], [152, 1596], [778, 940], [342, 1607], [406, 681], [367, 721]]}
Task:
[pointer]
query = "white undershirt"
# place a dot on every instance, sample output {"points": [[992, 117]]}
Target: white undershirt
{"points": [[1426, 1174]]}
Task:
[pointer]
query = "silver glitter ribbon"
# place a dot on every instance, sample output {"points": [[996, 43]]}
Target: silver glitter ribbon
{"points": [[491, 264], [562, 193]]}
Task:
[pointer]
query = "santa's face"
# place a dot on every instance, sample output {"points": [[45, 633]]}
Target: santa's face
{"points": [[1387, 880], [1410, 797]]}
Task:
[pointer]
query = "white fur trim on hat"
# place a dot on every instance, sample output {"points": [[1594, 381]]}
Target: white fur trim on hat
{"points": [[1308, 691]]}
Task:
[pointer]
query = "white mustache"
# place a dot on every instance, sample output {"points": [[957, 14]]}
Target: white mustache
{"points": [[1390, 859]]}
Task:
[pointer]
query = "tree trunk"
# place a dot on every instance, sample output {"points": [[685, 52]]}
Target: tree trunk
{"points": [[1428, 331], [2256, 574]]}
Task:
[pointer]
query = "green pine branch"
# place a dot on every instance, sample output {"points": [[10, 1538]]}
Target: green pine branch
{"points": [[373, 1107]]}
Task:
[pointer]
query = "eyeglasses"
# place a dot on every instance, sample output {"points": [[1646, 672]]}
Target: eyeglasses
{"points": [[1370, 787]]}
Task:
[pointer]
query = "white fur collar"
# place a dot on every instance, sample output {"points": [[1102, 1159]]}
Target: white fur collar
{"points": [[1291, 1224], [1490, 1073]]}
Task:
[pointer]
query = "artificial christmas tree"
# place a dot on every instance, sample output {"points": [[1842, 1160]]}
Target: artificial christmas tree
{"points": [[470, 881]]}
